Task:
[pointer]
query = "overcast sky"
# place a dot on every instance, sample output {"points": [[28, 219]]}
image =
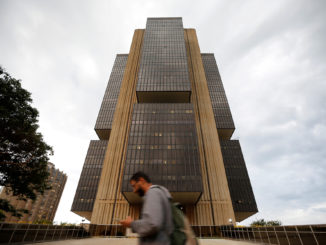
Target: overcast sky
{"points": [[271, 56]]}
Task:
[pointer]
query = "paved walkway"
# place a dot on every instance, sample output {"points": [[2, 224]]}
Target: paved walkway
{"points": [[133, 241]]}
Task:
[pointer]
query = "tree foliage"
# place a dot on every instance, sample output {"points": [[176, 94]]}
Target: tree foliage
{"points": [[23, 153], [43, 222], [7, 207], [262, 222]]}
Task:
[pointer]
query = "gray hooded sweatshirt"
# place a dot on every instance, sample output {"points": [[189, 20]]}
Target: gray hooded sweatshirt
{"points": [[155, 225]]}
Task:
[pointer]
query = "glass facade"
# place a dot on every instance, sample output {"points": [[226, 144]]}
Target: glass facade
{"points": [[243, 199], [163, 144], [163, 64], [221, 109], [105, 116], [90, 176]]}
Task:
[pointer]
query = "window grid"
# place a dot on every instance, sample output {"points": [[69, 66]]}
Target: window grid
{"points": [[163, 143], [90, 176], [106, 113], [241, 192], [163, 64], [221, 109]]}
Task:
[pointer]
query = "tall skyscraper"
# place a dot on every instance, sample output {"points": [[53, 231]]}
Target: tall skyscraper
{"points": [[45, 206], [165, 113]]}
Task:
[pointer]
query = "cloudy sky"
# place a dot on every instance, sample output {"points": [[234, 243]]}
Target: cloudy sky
{"points": [[271, 56]]}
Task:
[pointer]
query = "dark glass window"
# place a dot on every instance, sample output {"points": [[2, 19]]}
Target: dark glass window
{"points": [[221, 109], [242, 196], [163, 64], [90, 176], [105, 115], [166, 146]]}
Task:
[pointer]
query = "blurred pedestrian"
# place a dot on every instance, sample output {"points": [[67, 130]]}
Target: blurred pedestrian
{"points": [[155, 224]]}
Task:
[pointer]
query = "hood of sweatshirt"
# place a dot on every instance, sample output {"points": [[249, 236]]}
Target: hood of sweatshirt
{"points": [[165, 191]]}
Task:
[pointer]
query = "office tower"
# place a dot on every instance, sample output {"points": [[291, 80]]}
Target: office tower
{"points": [[45, 206], [165, 113]]}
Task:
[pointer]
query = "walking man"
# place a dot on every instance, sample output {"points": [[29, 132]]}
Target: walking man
{"points": [[155, 224]]}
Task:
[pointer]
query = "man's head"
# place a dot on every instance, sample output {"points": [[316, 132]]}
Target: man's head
{"points": [[140, 183]]}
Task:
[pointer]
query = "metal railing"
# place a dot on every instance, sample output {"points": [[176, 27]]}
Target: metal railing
{"points": [[11, 233], [282, 235], [107, 230]]}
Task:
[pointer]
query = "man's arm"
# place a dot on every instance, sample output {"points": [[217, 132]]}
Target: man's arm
{"points": [[152, 215]]}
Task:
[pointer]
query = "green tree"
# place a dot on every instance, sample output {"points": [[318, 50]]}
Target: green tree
{"points": [[258, 222], [273, 223], [262, 222], [43, 222], [23, 153]]}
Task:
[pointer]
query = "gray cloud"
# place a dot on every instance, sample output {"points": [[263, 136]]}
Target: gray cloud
{"points": [[272, 62]]}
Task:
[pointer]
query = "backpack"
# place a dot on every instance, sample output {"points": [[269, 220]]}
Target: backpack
{"points": [[182, 233]]}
